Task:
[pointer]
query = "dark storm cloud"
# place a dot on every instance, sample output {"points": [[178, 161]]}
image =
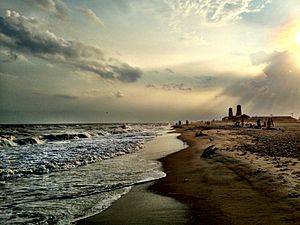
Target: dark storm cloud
{"points": [[125, 72], [277, 88], [27, 35]]}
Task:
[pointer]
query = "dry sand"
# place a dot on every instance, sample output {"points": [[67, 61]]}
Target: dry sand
{"points": [[231, 176], [232, 185]]}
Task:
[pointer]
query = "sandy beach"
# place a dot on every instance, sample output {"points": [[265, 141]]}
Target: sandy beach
{"points": [[226, 176], [163, 112], [141, 206]]}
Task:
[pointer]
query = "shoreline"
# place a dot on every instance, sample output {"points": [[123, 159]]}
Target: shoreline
{"points": [[139, 205], [221, 188]]}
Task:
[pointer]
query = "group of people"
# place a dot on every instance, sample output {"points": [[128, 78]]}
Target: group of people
{"points": [[269, 124], [180, 123]]}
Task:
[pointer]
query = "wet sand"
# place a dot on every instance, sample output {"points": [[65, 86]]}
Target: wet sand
{"points": [[222, 186], [141, 206]]}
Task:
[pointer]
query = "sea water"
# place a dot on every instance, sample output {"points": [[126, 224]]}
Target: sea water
{"points": [[56, 174]]}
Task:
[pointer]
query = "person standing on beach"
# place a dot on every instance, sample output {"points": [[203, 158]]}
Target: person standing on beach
{"points": [[258, 123], [270, 123]]}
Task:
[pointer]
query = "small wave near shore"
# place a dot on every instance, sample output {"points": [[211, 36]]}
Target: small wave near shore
{"points": [[71, 171]]}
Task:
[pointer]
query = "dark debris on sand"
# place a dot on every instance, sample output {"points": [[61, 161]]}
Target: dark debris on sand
{"points": [[274, 143]]}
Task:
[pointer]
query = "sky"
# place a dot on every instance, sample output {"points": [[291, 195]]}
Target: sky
{"points": [[147, 60]]}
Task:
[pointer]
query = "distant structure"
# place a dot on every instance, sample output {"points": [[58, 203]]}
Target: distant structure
{"points": [[276, 119], [238, 110], [243, 118], [239, 117], [230, 113]]}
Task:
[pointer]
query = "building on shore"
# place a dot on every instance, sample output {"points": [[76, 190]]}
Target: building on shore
{"points": [[276, 119], [239, 117]]}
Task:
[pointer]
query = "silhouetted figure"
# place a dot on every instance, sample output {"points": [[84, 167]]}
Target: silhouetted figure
{"points": [[179, 122], [270, 123], [186, 122], [271, 120], [258, 122]]}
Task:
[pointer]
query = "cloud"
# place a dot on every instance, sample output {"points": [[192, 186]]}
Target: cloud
{"points": [[169, 70], [193, 38], [125, 72], [57, 7], [27, 35], [261, 57], [123, 5], [276, 90], [118, 94], [181, 14], [7, 76], [150, 86], [214, 11], [92, 16], [170, 87], [64, 96], [10, 56]]}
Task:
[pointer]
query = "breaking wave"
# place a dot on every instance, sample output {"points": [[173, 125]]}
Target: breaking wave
{"points": [[55, 174]]}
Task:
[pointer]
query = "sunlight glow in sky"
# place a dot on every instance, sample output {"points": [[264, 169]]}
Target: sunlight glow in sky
{"points": [[297, 38], [147, 61]]}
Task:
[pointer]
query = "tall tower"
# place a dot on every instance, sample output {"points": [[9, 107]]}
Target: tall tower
{"points": [[230, 113], [238, 110]]}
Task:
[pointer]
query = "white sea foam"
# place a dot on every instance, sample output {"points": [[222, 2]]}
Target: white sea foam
{"points": [[58, 181]]}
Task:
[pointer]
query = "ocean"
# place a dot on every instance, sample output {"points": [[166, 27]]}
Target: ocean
{"points": [[57, 174]]}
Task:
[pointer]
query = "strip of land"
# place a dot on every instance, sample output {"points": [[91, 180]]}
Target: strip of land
{"points": [[141, 206], [235, 176], [226, 176]]}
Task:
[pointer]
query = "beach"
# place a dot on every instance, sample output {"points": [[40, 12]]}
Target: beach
{"points": [[226, 176], [140, 205], [59, 173], [128, 112]]}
